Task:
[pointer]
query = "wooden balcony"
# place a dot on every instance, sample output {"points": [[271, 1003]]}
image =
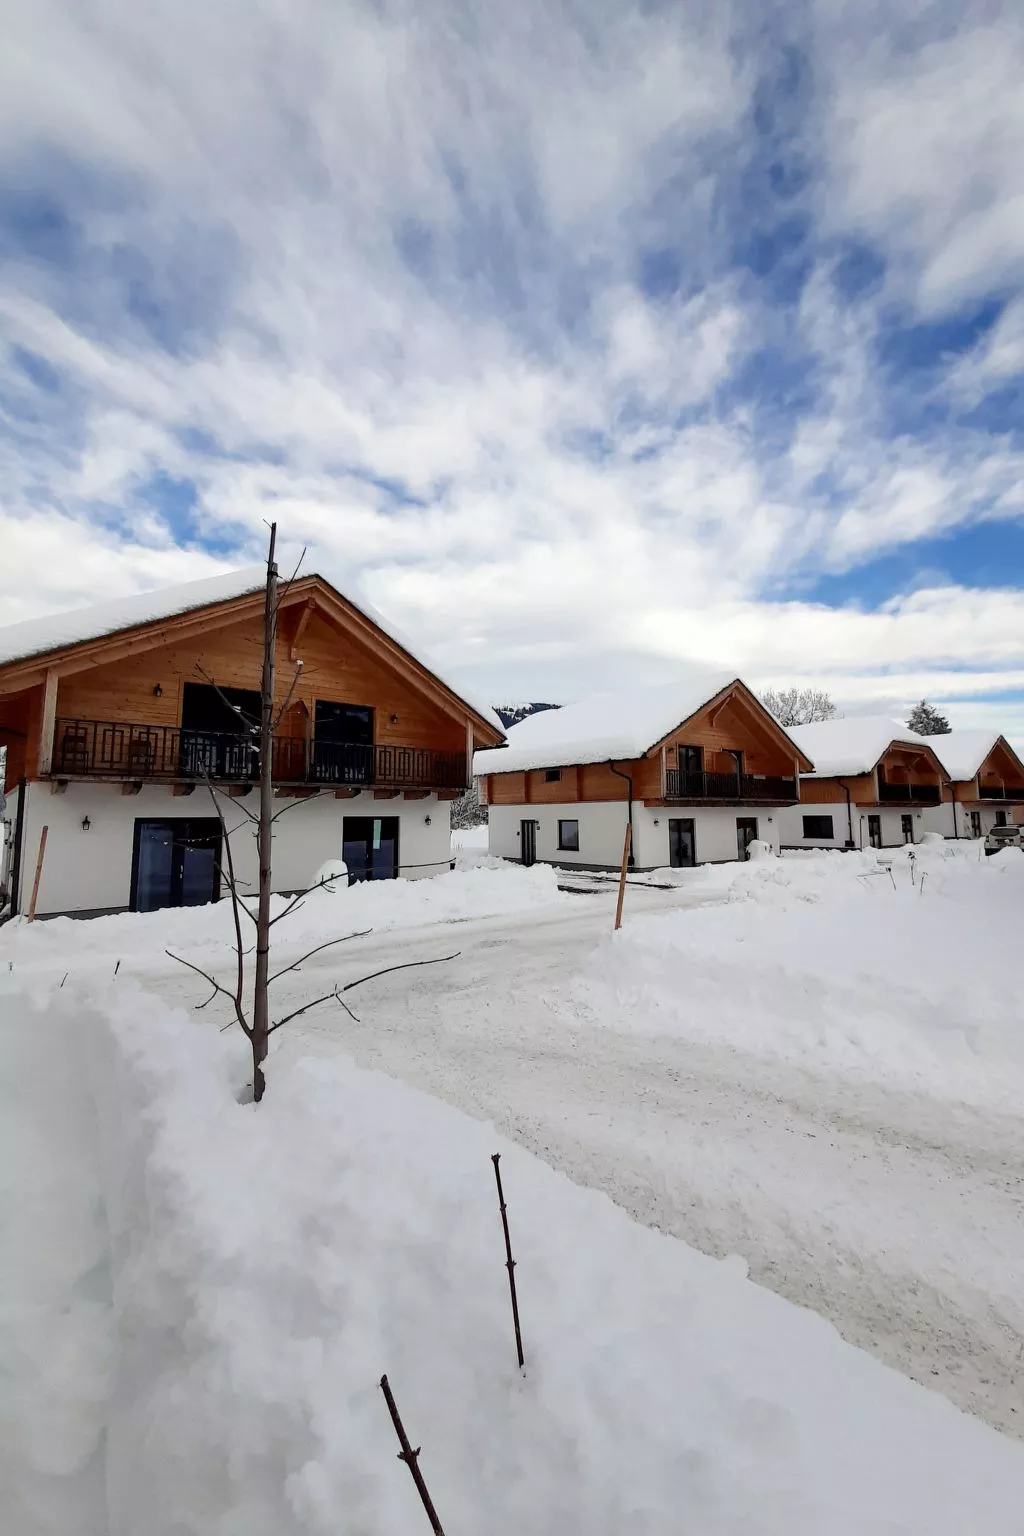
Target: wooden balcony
{"points": [[909, 794], [1013, 792], [112, 749], [729, 788]]}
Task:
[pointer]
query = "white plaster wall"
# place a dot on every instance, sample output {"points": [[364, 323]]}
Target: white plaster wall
{"points": [[85, 871], [941, 818], [791, 824], [603, 825]]}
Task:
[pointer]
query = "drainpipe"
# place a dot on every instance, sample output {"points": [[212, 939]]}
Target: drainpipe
{"points": [[849, 812], [632, 833], [19, 838]]}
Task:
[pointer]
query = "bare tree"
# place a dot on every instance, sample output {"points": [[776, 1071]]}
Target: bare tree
{"points": [[258, 1025], [799, 706]]}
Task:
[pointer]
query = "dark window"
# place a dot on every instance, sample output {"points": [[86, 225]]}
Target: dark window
{"points": [[569, 836], [1001, 819], [342, 743], [691, 759], [746, 832], [552, 775], [875, 831], [975, 823], [369, 846], [218, 732], [818, 826], [907, 828]]}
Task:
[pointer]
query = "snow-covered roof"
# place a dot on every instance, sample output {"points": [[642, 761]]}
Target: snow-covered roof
{"points": [[36, 637], [854, 745], [610, 727], [962, 753]]}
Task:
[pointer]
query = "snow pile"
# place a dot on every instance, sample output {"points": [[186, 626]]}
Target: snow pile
{"points": [[139, 939], [265, 1266], [908, 971]]}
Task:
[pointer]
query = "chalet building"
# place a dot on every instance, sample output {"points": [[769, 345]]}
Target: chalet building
{"points": [[985, 784], [874, 782], [698, 774], [117, 719]]}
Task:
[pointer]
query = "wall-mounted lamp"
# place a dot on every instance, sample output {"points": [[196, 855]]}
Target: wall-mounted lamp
{"points": [[158, 692], [426, 821], [657, 823], [86, 823], [393, 719]]}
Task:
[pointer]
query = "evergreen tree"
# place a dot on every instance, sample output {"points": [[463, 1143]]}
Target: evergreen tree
{"points": [[926, 720]]}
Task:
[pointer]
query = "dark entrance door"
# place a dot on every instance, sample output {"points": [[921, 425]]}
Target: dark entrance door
{"points": [[746, 831], [175, 864], [219, 731], [975, 823], [342, 743], [907, 828], [369, 846], [528, 841], [875, 831], [682, 842]]}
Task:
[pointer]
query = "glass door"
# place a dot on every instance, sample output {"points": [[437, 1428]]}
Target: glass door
{"points": [[369, 846], [175, 864], [746, 832], [528, 842], [682, 842], [875, 831]]}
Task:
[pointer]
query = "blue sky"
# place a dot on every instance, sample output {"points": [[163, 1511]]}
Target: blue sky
{"points": [[588, 341]]}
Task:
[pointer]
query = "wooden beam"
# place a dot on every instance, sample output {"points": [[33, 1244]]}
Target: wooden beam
{"points": [[59, 787], [417, 794], [47, 722], [469, 752], [134, 788], [385, 794], [305, 614], [239, 791], [449, 794], [527, 788], [344, 794]]}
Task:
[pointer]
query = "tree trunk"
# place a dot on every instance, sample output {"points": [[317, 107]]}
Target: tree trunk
{"points": [[261, 1003]]}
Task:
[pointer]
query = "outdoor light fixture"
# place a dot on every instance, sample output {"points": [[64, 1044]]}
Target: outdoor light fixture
{"points": [[394, 719], [657, 823], [426, 821], [86, 823], [158, 692]]}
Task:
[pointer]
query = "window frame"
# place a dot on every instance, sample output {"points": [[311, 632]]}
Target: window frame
{"points": [[563, 846], [830, 835], [552, 775]]}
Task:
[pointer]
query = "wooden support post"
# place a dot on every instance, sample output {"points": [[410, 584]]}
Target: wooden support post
{"points": [[469, 754], [39, 870], [305, 614], [47, 722], [622, 877]]}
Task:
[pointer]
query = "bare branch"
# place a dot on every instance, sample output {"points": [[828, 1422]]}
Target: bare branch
{"points": [[235, 709], [407, 966], [215, 984], [288, 696], [282, 586], [310, 953], [291, 804], [300, 896], [296, 1013]]}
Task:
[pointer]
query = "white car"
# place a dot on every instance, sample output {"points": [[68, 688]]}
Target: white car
{"points": [[1004, 837]]}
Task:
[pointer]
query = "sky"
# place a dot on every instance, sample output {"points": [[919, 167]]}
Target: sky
{"points": [[594, 342]]}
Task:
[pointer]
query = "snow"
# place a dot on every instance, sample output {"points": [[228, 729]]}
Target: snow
{"points": [[873, 980], [52, 632], [139, 939], [202, 1296], [853, 745], [962, 753], [606, 728]]}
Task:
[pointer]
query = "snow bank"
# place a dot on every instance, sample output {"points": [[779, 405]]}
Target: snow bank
{"points": [[139, 939], [258, 1269], [905, 971]]}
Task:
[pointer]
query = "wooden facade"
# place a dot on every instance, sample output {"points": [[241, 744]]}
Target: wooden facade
{"points": [[139, 676], [904, 775], [1000, 778], [733, 734]]}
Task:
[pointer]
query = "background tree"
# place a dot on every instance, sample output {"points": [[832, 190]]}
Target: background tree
{"points": [[926, 720], [799, 706]]}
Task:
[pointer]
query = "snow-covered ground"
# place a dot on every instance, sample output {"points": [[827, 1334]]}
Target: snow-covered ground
{"points": [[812, 1063], [201, 1295]]}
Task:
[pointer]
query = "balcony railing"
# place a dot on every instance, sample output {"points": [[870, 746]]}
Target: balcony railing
{"points": [[115, 749], [910, 794], [1001, 791], [739, 787]]}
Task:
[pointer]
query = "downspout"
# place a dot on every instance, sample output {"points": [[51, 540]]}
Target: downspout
{"points": [[19, 838], [632, 834], [849, 813]]}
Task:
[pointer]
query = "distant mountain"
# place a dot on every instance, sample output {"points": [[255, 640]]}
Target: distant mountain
{"points": [[511, 714]]}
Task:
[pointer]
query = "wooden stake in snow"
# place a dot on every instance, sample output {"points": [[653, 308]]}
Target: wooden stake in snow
{"points": [[411, 1458], [510, 1264], [39, 870], [622, 877]]}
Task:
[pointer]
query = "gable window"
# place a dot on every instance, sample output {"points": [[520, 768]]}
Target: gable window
{"points": [[552, 775], [569, 836], [818, 826]]}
